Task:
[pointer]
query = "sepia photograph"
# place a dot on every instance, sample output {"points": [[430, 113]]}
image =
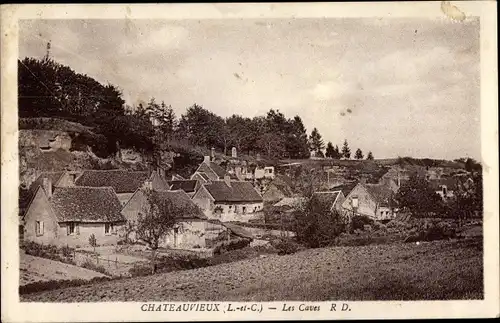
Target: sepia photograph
{"points": [[182, 162]]}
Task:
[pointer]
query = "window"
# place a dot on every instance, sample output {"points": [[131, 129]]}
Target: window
{"points": [[71, 228], [108, 228], [39, 228], [255, 209], [244, 209], [355, 202], [444, 189], [235, 209]]}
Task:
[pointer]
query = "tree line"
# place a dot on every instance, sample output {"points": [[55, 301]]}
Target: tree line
{"points": [[49, 89]]}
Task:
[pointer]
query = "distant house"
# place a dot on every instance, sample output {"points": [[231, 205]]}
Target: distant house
{"points": [[277, 189], [210, 170], [264, 172], [124, 182], [373, 200], [445, 186], [69, 215], [190, 230], [188, 186], [229, 200], [332, 199]]}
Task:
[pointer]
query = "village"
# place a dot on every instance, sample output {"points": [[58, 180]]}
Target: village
{"points": [[89, 218]]}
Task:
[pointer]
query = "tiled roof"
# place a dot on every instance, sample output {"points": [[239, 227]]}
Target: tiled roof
{"points": [[187, 186], [239, 191], [86, 204], [290, 202], [180, 199], [204, 176], [345, 188], [328, 197], [53, 176], [381, 193], [122, 181], [221, 172]]}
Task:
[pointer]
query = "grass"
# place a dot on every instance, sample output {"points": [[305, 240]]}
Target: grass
{"points": [[442, 270]]}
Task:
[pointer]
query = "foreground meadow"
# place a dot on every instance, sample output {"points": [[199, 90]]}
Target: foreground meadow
{"points": [[401, 271]]}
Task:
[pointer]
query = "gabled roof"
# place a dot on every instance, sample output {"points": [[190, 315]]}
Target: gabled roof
{"points": [[290, 202], [176, 177], [239, 191], [180, 199], [204, 176], [345, 188], [122, 181], [327, 198], [221, 172], [53, 176], [187, 186], [381, 193], [86, 204]]}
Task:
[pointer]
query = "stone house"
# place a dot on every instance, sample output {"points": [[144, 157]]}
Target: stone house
{"points": [[444, 187], [264, 172], [210, 170], [333, 199], [191, 230], [188, 186], [277, 189], [124, 182], [69, 215], [373, 200], [229, 200]]}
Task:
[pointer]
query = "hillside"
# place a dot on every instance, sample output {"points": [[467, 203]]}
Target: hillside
{"points": [[429, 271]]}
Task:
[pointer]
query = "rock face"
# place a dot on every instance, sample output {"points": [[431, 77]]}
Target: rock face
{"points": [[45, 140]]}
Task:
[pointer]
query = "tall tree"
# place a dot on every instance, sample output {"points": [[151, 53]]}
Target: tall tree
{"points": [[358, 154], [330, 151], [417, 197], [346, 151], [370, 156], [337, 154], [316, 143], [296, 144]]}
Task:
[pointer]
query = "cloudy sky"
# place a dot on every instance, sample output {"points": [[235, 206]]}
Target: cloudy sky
{"points": [[397, 87]]}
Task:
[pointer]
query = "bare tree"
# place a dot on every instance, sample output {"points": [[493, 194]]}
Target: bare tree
{"points": [[157, 219]]}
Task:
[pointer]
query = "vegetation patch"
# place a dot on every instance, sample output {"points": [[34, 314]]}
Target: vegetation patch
{"points": [[64, 254]]}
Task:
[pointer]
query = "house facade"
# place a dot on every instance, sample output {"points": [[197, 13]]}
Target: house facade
{"points": [[444, 187], [229, 200], [278, 189], [191, 230], [210, 170], [372, 200], [70, 215]]}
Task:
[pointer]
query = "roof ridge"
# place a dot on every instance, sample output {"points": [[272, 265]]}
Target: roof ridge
{"points": [[92, 187], [115, 170]]}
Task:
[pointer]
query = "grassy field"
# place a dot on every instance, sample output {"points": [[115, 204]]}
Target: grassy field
{"points": [[428, 271]]}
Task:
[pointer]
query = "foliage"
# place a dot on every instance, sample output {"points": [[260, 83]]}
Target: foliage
{"points": [[316, 225], [170, 263], [233, 244], [89, 264], [346, 151], [285, 246], [369, 156], [48, 251], [358, 154], [316, 143], [92, 241], [467, 200], [358, 222], [417, 197], [40, 286]]}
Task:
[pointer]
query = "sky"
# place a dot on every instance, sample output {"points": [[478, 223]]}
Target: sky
{"points": [[393, 86]]}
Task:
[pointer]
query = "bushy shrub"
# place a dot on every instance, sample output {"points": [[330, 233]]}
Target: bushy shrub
{"points": [[48, 251], [241, 254], [89, 264], [140, 269], [358, 222], [57, 284], [285, 246], [233, 244]]}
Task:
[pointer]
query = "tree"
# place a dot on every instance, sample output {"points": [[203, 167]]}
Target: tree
{"points": [[93, 241], [358, 154], [330, 151], [417, 197], [316, 142], [157, 219], [370, 156], [316, 225], [337, 154], [467, 200], [346, 151]]}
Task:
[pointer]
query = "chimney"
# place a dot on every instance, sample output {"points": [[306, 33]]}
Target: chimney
{"points": [[47, 186], [212, 154], [206, 159], [227, 180]]}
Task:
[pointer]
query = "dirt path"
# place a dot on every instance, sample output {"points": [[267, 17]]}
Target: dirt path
{"points": [[437, 270], [34, 269]]}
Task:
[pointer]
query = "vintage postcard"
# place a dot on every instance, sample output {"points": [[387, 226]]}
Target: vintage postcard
{"points": [[186, 162]]}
